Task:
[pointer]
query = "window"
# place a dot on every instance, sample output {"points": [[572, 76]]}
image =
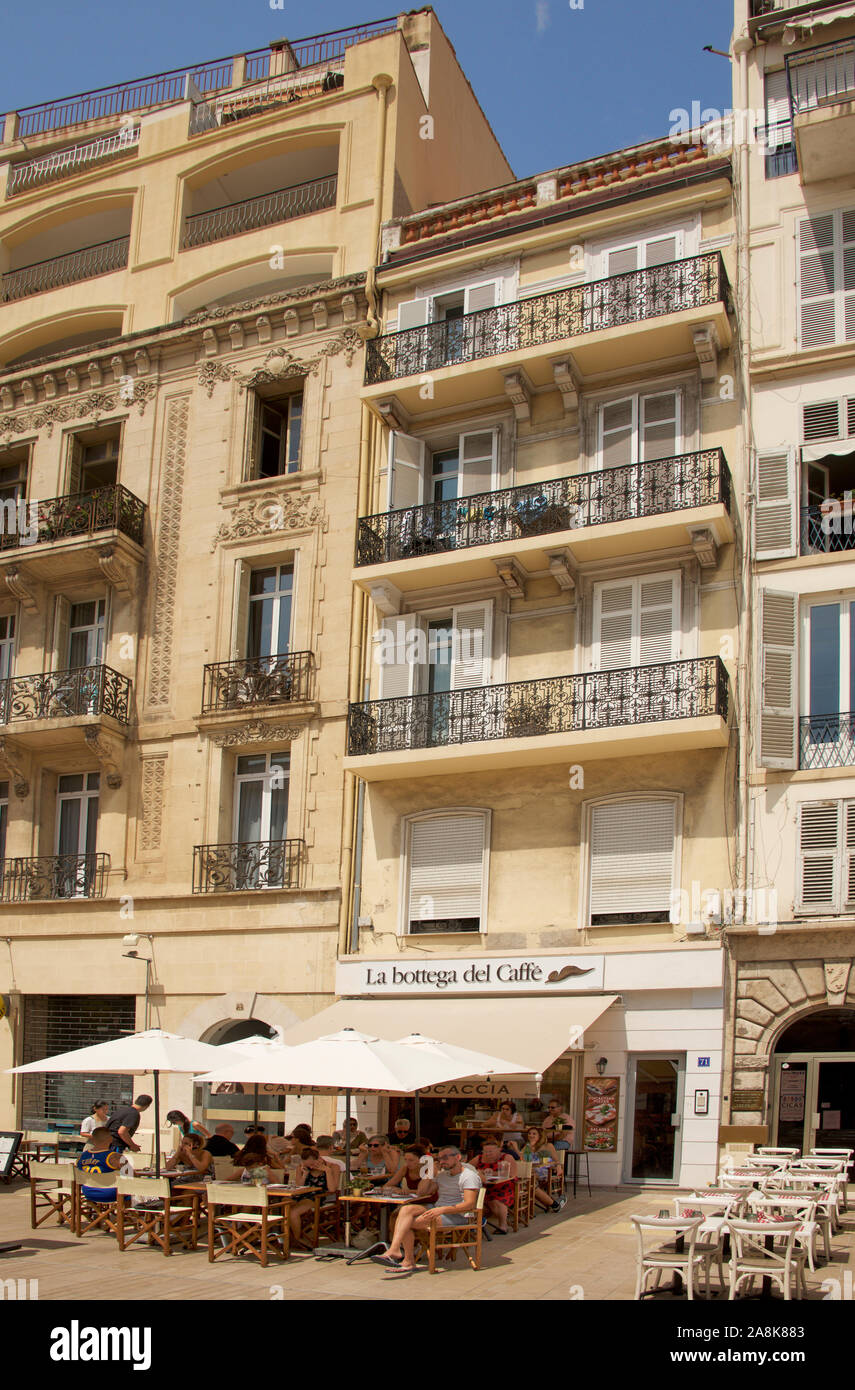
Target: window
{"points": [[446, 872], [275, 436], [778, 684], [638, 429], [775, 521], [7, 645], [261, 819], [4, 817], [834, 419], [780, 150], [269, 627], [827, 279], [645, 251], [14, 466], [826, 856], [437, 652], [462, 467], [449, 307], [93, 460], [86, 627], [76, 832], [828, 683], [633, 847], [636, 621]]}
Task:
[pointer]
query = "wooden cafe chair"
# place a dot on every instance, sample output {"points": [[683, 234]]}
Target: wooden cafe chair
{"points": [[239, 1215], [89, 1213], [445, 1241], [169, 1224], [51, 1193]]}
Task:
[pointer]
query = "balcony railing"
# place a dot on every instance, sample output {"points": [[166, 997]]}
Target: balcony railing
{"points": [[529, 709], [827, 532], [822, 76], [55, 876], [36, 172], [247, 867], [548, 318], [266, 680], [78, 514], [81, 691], [65, 270], [827, 740], [540, 509], [263, 211], [763, 7]]}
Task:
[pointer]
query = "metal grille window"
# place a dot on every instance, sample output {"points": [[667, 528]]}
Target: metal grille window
{"points": [[826, 857], [445, 883], [632, 851], [59, 1023]]}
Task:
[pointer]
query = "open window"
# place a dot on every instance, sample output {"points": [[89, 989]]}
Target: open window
{"points": [[462, 466], [274, 436], [93, 459], [449, 306], [14, 471]]}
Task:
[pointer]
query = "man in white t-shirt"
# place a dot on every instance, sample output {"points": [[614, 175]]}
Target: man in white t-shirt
{"points": [[457, 1196]]}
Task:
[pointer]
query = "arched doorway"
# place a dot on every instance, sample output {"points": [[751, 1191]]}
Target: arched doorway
{"points": [[814, 1081], [247, 1105]]}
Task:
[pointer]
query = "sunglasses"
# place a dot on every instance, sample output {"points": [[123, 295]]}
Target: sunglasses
{"points": [[375, 1146]]}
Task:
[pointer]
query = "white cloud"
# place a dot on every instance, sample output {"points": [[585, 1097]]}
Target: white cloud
{"points": [[542, 9]]}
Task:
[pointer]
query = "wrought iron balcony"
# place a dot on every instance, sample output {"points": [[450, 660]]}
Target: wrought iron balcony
{"points": [[528, 709], [821, 76], [827, 740], [55, 876], [540, 509], [78, 514], [263, 211], [52, 274], [764, 7], [35, 172], [548, 318], [827, 532], [266, 680], [248, 866], [85, 690]]}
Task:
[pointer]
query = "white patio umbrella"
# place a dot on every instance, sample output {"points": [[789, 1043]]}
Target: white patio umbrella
{"points": [[150, 1052], [246, 1047], [470, 1063]]}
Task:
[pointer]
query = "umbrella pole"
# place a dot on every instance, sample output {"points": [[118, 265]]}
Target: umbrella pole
{"points": [[418, 1118], [157, 1124], [347, 1163], [255, 1105]]}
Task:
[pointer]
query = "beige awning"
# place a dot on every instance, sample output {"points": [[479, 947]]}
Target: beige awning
{"points": [[529, 1030]]}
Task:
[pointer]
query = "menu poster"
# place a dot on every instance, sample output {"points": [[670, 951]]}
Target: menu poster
{"points": [[791, 1104], [9, 1141], [600, 1130]]}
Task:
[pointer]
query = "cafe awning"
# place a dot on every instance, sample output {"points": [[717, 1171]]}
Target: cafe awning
{"points": [[532, 1032]]}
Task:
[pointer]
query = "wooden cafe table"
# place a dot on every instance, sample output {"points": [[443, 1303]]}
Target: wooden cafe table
{"points": [[384, 1200]]}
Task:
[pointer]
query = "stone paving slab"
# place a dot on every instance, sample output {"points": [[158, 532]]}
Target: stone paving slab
{"points": [[585, 1252]]}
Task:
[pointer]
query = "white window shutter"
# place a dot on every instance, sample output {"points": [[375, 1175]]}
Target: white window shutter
{"points": [[481, 297], [405, 471], [849, 860], [659, 426], [661, 250], [775, 510], [446, 862], [817, 280], [413, 313], [478, 461], [779, 125], [632, 858], [61, 619], [821, 420], [622, 261], [617, 431], [779, 723], [613, 625], [472, 625], [847, 275], [658, 619], [819, 839], [240, 610], [397, 673]]}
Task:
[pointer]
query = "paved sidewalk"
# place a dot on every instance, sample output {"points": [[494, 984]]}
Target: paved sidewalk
{"points": [[586, 1252]]}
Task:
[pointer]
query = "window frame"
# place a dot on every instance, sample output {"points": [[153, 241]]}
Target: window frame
{"points": [[258, 402], [442, 813], [841, 906], [586, 850]]}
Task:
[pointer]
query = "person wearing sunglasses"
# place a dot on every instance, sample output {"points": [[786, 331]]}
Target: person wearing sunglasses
{"points": [[379, 1156]]}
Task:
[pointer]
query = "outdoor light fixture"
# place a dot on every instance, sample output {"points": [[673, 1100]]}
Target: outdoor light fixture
{"points": [[131, 941], [601, 1064]]}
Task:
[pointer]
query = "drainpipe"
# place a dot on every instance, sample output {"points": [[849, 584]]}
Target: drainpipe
{"points": [[381, 84]]}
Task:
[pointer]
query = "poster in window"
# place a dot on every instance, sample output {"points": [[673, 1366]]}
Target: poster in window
{"points": [[600, 1129], [792, 1098]]}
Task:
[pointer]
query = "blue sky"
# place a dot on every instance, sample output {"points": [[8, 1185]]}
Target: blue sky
{"points": [[558, 82]]}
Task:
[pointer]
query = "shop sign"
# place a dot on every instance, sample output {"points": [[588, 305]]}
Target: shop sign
{"points": [[471, 975], [792, 1098], [747, 1100], [600, 1127], [475, 1089], [239, 1088]]}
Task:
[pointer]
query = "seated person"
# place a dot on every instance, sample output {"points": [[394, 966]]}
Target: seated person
{"points": [[499, 1197], [315, 1173], [220, 1143], [457, 1196], [101, 1158], [187, 1126], [191, 1153], [408, 1177], [538, 1151], [378, 1156], [558, 1126], [403, 1133], [324, 1146], [357, 1138], [299, 1139], [255, 1154], [508, 1120]]}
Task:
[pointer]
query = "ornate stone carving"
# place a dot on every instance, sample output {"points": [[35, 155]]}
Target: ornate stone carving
{"points": [[17, 763], [108, 753], [836, 980], [345, 282], [168, 534], [23, 588], [212, 372], [115, 571], [153, 797], [256, 731], [269, 513], [90, 406], [279, 362]]}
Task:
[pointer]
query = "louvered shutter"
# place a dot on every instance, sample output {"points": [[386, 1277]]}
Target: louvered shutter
{"points": [[657, 619], [617, 432], [481, 297], [413, 313], [73, 466], [446, 871], [59, 646], [775, 528], [817, 280], [622, 261], [779, 125], [659, 426], [404, 471], [779, 745], [632, 859], [472, 625], [478, 462], [821, 420], [849, 854], [240, 610], [819, 838], [661, 250], [613, 625], [847, 259], [398, 675]]}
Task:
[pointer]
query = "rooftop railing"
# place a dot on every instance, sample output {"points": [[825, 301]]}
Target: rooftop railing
{"points": [[265, 680], [539, 509], [527, 709], [248, 866], [77, 514], [179, 84], [57, 271], [36, 172], [265, 210], [547, 318], [83, 690], [54, 876], [821, 76]]}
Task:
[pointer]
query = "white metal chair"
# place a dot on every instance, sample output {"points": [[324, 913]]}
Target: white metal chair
{"points": [[801, 1208], [751, 1258], [769, 1151], [654, 1256]]}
